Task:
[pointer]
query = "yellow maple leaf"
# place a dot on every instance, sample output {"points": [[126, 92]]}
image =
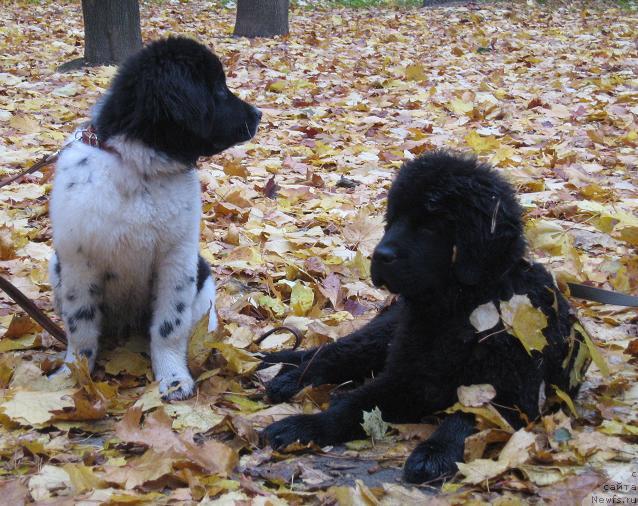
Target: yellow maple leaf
{"points": [[123, 360], [482, 144], [458, 106], [526, 321], [239, 361], [415, 73]]}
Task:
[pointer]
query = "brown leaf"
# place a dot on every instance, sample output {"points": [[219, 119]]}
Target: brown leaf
{"points": [[157, 434]]}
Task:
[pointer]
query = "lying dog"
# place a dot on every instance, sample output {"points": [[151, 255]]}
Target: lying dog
{"points": [[453, 242], [126, 206]]}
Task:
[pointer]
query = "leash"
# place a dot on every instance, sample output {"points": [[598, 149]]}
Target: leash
{"points": [[43, 162], [32, 310], [294, 331], [54, 329], [87, 135], [602, 296]]}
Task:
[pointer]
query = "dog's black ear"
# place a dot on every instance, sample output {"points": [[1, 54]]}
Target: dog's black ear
{"points": [[489, 236]]}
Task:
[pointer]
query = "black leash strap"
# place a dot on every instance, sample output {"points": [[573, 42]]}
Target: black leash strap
{"points": [[43, 162], [32, 310], [602, 296]]}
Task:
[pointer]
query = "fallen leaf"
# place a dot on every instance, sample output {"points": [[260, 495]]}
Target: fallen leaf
{"points": [[475, 395]]}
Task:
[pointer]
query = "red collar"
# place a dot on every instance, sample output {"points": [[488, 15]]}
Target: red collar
{"points": [[89, 136]]}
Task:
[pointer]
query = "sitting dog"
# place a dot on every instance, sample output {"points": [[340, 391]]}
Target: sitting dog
{"points": [[453, 242], [126, 207]]}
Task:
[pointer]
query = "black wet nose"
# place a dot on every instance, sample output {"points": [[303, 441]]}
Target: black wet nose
{"points": [[384, 254], [258, 113]]}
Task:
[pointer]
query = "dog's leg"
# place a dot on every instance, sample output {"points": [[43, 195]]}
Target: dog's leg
{"points": [[351, 358], [400, 398], [205, 297], [436, 457], [175, 289], [78, 297], [55, 279]]}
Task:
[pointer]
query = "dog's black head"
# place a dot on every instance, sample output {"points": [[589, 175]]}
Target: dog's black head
{"points": [[172, 96], [450, 220]]}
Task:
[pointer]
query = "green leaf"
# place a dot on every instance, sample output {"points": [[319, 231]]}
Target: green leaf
{"points": [[373, 424], [301, 298]]}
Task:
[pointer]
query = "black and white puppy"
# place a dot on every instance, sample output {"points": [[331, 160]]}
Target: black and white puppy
{"points": [[126, 206]]}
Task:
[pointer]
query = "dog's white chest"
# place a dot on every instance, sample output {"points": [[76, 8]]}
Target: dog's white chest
{"points": [[121, 221], [112, 212]]}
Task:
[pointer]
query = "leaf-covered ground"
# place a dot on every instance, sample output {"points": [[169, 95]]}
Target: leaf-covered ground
{"points": [[548, 94]]}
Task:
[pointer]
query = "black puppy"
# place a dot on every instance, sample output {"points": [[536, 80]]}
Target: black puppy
{"points": [[126, 206], [453, 241]]}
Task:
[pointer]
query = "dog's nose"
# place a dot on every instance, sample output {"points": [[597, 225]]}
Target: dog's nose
{"points": [[258, 113], [384, 254]]}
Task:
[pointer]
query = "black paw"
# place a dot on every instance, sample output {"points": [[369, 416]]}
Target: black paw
{"points": [[283, 386], [299, 428], [431, 461], [289, 359]]}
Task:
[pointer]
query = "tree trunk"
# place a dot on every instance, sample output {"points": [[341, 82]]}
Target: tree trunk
{"points": [[434, 3], [261, 18], [111, 30]]}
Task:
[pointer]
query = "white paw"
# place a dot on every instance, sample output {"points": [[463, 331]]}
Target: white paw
{"points": [[63, 371], [176, 387]]}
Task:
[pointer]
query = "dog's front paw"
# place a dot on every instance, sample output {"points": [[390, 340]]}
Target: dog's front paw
{"points": [[63, 370], [283, 386], [431, 461], [176, 388], [299, 428]]}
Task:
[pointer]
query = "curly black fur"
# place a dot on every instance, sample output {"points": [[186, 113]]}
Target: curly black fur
{"points": [[453, 241], [172, 96]]}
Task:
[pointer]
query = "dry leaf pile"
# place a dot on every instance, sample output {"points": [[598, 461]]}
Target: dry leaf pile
{"points": [[547, 94]]}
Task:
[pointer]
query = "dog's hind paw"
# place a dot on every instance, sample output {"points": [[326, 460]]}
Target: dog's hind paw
{"points": [[176, 388], [429, 462]]}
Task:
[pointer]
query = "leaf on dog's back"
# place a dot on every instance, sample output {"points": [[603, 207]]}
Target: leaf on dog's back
{"points": [[526, 322], [485, 317]]}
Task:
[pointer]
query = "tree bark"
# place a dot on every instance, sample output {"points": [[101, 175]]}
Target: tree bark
{"points": [[261, 18], [433, 3], [111, 30]]}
